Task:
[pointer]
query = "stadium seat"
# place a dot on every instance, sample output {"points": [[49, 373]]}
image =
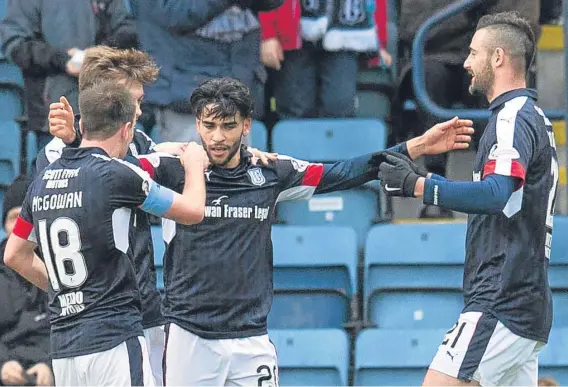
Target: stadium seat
{"points": [[259, 136], [11, 75], [315, 276], [414, 275], [391, 357], [558, 269], [553, 360], [11, 103], [3, 7], [311, 357], [560, 308], [356, 208], [328, 140], [159, 250], [372, 104], [9, 152]]}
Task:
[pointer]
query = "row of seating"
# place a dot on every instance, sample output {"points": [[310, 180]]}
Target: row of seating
{"points": [[381, 357], [411, 275]]}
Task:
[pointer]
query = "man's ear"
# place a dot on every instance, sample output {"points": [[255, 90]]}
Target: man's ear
{"points": [[247, 125], [125, 130], [498, 57]]}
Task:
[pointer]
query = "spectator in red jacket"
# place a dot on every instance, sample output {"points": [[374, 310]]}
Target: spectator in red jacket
{"points": [[315, 52]]}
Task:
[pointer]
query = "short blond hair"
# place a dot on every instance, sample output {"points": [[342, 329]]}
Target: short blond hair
{"points": [[548, 381], [104, 63]]}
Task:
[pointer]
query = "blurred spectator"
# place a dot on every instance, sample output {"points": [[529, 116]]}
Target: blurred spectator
{"points": [[47, 40], [314, 49], [447, 82], [548, 381], [24, 324], [36, 108], [193, 41], [550, 11]]}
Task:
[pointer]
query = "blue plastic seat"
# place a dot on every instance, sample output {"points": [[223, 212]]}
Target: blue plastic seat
{"points": [[328, 140], [414, 275], [553, 359], [10, 150], [560, 308], [11, 103], [259, 136], [11, 75], [356, 208], [159, 250], [390, 357], [558, 268], [315, 276], [3, 7], [311, 357]]}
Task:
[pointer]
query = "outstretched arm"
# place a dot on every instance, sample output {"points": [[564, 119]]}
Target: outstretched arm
{"points": [[348, 174], [489, 196], [446, 136]]}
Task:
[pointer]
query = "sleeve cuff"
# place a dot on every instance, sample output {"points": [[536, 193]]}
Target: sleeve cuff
{"points": [[430, 192], [400, 148]]}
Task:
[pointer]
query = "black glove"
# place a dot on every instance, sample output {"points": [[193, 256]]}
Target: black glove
{"points": [[397, 177], [415, 167]]}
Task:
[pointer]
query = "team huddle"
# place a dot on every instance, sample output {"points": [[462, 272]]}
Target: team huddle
{"points": [[88, 212]]}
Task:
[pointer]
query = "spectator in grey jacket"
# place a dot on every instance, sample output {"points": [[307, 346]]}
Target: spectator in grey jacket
{"points": [[192, 41], [47, 39]]}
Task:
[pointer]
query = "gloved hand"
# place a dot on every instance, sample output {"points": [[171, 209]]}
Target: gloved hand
{"points": [[398, 177], [415, 167]]}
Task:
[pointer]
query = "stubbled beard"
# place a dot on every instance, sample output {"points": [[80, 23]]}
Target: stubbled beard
{"points": [[483, 81]]}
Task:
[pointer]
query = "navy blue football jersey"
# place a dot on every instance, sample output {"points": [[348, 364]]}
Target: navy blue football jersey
{"points": [[507, 257], [79, 211], [218, 273], [141, 248]]}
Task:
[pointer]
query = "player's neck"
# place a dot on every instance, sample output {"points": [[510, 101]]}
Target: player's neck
{"points": [[110, 147], [505, 86], [234, 161]]}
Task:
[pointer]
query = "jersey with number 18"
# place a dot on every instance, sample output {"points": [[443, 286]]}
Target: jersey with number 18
{"points": [[79, 210]]}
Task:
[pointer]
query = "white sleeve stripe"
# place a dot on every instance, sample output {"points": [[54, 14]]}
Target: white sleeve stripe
{"points": [[139, 171], [53, 149], [302, 192], [505, 132]]}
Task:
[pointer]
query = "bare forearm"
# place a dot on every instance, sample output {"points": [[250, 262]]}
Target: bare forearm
{"points": [[415, 147], [34, 271], [194, 188]]}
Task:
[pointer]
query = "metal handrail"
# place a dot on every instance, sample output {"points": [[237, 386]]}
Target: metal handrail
{"points": [[419, 78]]}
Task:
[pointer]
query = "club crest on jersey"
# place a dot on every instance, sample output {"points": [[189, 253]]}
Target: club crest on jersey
{"points": [[256, 176], [499, 152], [299, 165]]}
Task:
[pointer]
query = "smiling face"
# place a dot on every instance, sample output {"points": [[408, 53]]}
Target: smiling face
{"points": [[478, 64], [222, 136]]}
